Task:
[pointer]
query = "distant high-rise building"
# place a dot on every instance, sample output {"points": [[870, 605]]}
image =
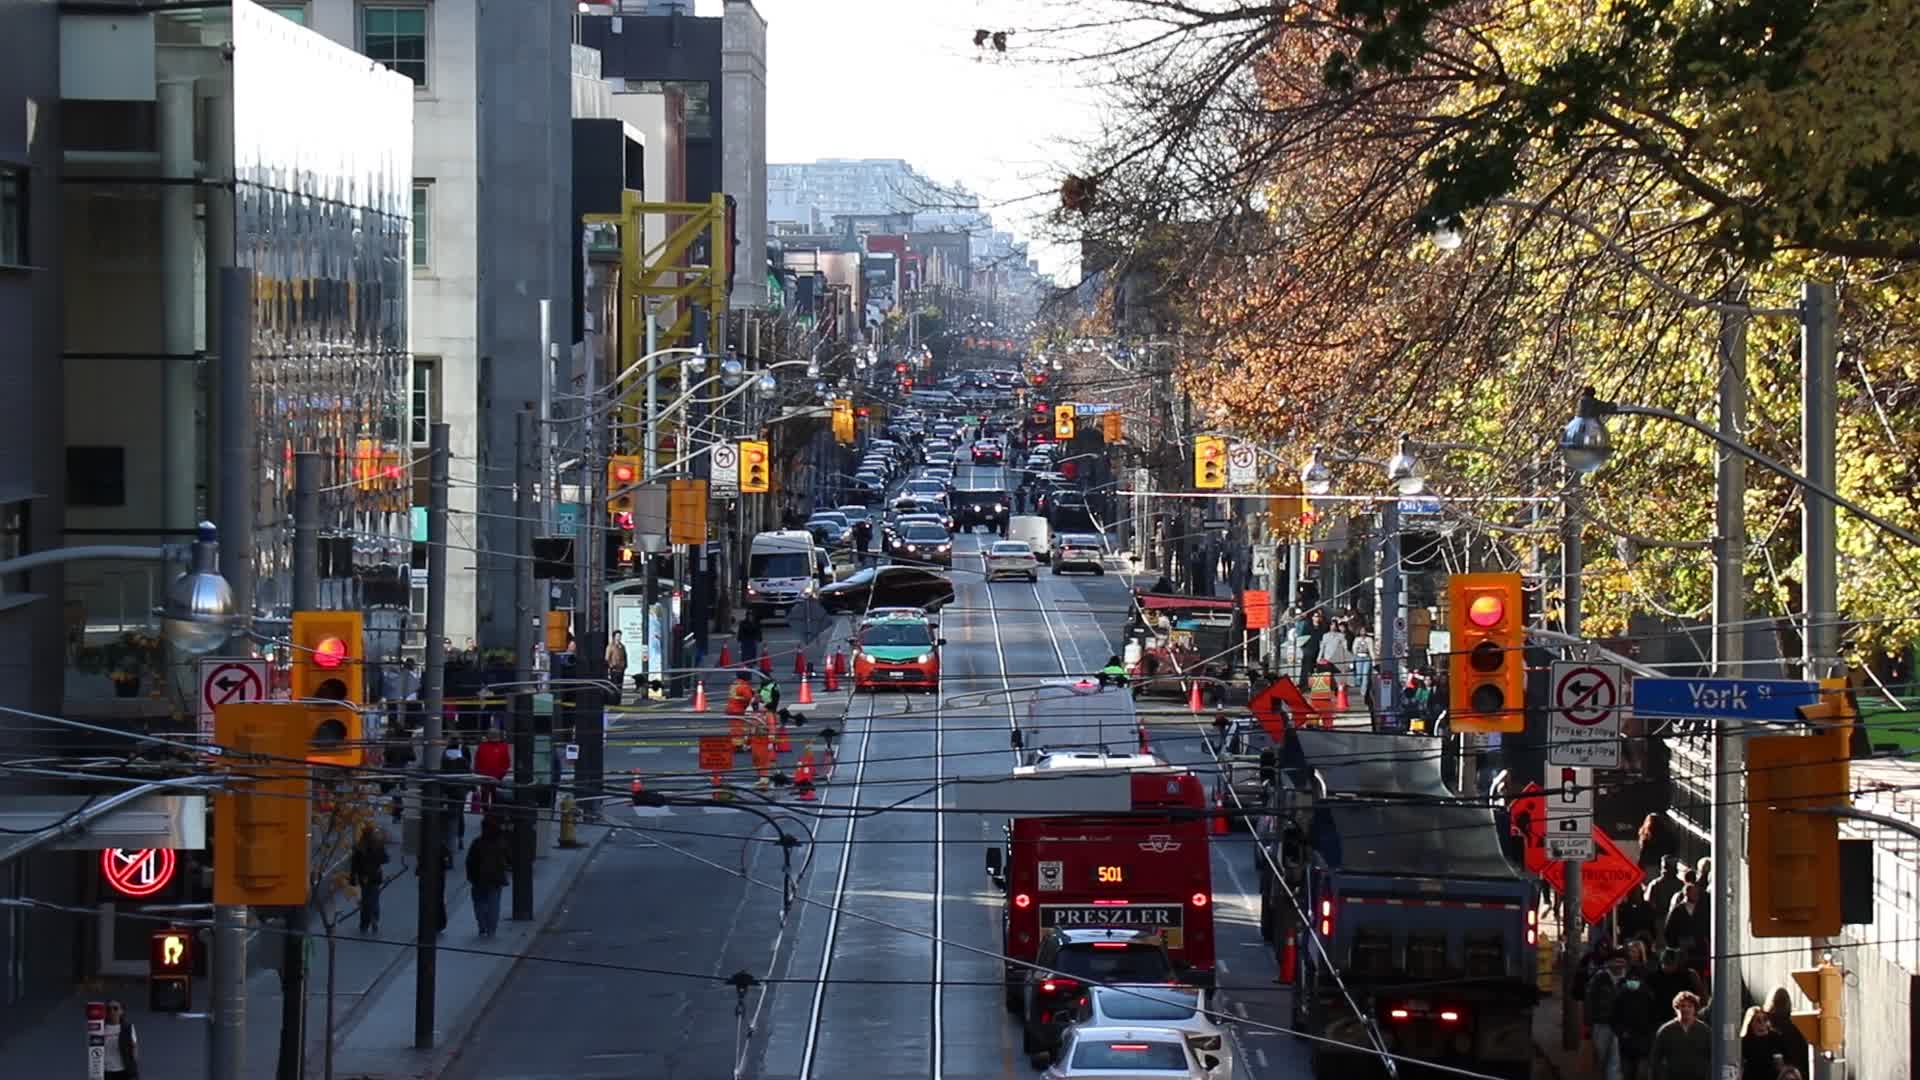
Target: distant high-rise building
{"points": [[812, 192]]}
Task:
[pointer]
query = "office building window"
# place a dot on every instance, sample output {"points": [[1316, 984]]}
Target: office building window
{"points": [[13, 216], [96, 476], [422, 223], [294, 12], [396, 37], [425, 410]]}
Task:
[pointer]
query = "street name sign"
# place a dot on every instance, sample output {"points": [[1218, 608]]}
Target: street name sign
{"points": [[1724, 699], [1583, 723]]}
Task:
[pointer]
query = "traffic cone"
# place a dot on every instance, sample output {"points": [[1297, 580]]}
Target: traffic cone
{"points": [[1289, 958], [803, 778], [1219, 818], [799, 662], [766, 664], [782, 744], [639, 788], [806, 691], [1340, 698], [833, 675], [726, 655], [1144, 747], [699, 696], [1194, 703], [838, 663]]}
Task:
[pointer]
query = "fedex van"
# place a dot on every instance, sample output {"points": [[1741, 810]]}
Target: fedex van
{"points": [[781, 571]]}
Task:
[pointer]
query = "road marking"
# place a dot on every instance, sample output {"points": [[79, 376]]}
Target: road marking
{"points": [[939, 890], [839, 896]]}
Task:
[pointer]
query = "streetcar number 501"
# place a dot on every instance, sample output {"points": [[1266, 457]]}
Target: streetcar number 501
{"points": [[1110, 875]]}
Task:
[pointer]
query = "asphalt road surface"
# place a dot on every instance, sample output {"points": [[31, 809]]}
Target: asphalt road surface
{"points": [[886, 965]]}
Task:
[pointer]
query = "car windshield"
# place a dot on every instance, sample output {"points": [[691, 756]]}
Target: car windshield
{"points": [[896, 633], [1148, 1003], [1012, 547], [779, 564], [827, 518], [1131, 1056], [855, 513], [930, 534], [1134, 963]]}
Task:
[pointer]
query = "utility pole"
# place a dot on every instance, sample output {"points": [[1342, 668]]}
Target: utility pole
{"points": [[1729, 751], [227, 1027], [589, 562], [306, 597], [433, 691], [1573, 918], [1820, 643], [526, 612], [1388, 618]]}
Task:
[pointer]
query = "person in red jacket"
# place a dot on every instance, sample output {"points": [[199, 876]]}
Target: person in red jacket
{"points": [[494, 759]]}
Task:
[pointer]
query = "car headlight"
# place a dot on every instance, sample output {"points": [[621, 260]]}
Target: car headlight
{"points": [[1206, 1044], [753, 590], [922, 658], [910, 547], [946, 547], [998, 507], [813, 588]]}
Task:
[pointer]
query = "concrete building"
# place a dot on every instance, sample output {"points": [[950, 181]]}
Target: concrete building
{"points": [[811, 193], [494, 90], [159, 146]]}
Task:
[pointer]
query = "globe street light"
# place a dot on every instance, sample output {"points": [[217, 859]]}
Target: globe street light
{"points": [[199, 616], [695, 364], [1403, 468], [1584, 442], [1316, 478], [768, 384], [732, 371]]}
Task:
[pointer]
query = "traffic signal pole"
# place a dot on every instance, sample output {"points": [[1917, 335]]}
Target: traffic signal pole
{"points": [[306, 597], [1821, 638], [528, 613], [1388, 636], [1573, 920], [433, 690]]}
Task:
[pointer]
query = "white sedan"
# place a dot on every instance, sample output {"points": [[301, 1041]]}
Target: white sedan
{"points": [[1126, 1053], [1012, 558], [1176, 1009]]}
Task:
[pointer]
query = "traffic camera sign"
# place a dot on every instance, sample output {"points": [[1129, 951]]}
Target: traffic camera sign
{"points": [[1583, 722]]}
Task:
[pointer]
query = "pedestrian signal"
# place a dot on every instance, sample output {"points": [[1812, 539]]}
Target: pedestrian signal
{"points": [[170, 971], [755, 467], [1825, 1027], [1209, 462]]}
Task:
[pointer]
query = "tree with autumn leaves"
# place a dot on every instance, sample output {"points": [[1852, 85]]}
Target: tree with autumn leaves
{"points": [[1446, 217]]}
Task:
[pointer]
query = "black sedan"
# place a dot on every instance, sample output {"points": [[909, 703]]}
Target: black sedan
{"points": [[888, 586]]}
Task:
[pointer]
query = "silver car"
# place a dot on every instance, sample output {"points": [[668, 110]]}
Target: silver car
{"points": [[1128, 1053], [1012, 558], [1181, 1009]]}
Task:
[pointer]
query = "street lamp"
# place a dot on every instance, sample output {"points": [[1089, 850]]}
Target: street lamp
{"points": [[1403, 468], [1315, 477], [199, 616], [767, 383], [1584, 442], [732, 371]]}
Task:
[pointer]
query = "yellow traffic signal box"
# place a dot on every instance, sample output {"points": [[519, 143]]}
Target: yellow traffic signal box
{"points": [[558, 631], [329, 664], [1793, 857], [843, 432], [1486, 671], [1063, 422], [756, 467], [1825, 1025], [260, 847], [623, 473], [1113, 427], [1209, 462]]}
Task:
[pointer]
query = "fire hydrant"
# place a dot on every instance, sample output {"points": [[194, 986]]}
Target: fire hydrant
{"points": [[569, 818]]}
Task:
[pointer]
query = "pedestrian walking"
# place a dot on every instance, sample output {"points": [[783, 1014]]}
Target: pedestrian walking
{"points": [[1763, 1053], [453, 793], [365, 871], [1795, 1050], [1603, 991], [617, 665], [1635, 1018], [122, 1049], [1683, 1047], [493, 760], [749, 635], [1308, 633], [1687, 927], [489, 865]]}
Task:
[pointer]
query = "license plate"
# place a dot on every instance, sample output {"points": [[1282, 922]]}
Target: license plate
{"points": [[896, 674]]}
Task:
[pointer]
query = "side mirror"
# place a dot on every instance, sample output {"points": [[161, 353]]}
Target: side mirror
{"points": [[1018, 740], [1209, 1062], [943, 642]]}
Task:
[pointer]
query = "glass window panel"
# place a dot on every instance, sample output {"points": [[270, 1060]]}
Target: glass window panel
{"points": [[396, 37], [295, 12], [13, 217], [422, 224]]}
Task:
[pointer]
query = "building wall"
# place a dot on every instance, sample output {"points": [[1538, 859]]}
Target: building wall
{"points": [[743, 151], [445, 305]]}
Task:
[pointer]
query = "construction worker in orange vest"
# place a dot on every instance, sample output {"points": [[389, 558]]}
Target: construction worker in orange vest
{"points": [[761, 726], [740, 698]]}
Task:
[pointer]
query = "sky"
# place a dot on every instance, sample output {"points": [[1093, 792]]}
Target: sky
{"points": [[902, 79]]}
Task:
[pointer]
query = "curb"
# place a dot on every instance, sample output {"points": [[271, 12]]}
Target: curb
{"points": [[454, 1039]]}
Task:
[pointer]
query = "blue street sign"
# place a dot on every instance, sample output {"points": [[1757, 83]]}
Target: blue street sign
{"points": [[1715, 699]]}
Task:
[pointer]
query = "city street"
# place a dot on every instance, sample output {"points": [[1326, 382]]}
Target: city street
{"points": [[888, 964]]}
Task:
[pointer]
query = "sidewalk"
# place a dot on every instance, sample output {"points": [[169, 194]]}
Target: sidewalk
{"points": [[373, 988]]}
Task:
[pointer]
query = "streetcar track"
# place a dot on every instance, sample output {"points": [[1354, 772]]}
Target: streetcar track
{"points": [[839, 897]]}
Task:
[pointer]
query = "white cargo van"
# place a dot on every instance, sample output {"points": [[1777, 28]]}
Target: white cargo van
{"points": [[781, 571], [1033, 529]]}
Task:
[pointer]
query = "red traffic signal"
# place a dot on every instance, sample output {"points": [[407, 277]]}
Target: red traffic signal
{"points": [[623, 472], [329, 652], [1486, 610], [900, 368]]}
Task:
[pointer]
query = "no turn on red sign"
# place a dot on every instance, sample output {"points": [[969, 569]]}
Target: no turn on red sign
{"points": [[1583, 715]]}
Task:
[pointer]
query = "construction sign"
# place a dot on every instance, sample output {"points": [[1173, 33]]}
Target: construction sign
{"points": [[716, 753], [1605, 879]]}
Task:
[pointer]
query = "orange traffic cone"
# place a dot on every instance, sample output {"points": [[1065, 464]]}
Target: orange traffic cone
{"points": [[1194, 704], [766, 664], [1289, 959], [833, 674], [799, 662], [639, 788], [806, 692], [1340, 698], [837, 663], [1219, 818], [699, 696], [726, 655], [803, 778], [782, 744]]}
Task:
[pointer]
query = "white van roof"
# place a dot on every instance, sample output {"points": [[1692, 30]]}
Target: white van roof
{"points": [[783, 540]]}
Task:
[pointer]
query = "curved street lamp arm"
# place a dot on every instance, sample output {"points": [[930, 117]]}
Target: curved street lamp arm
{"points": [[1762, 460], [169, 553]]}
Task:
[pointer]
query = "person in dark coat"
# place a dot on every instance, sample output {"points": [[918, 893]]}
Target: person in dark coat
{"points": [[1673, 978], [1635, 1018], [1687, 928], [1309, 632], [1660, 893], [749, 635], [489, 866], [1794, 1046], [1762, 1050], [366, 870], [1683, 1047]]}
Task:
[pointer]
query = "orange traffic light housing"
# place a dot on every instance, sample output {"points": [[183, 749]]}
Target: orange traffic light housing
{"points": [[329, 665], [1063, 422], [260, 819], [559, 631], [1113, 427], [755, 467], [623, 474], [1209, 462], [1486, 670], [1793, 857], [1825, 1025]]}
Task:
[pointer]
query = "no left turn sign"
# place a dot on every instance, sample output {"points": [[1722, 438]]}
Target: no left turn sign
{"points": [[1583, 723], [1586, 693]]}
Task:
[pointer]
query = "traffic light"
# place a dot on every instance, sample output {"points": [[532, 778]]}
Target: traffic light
{"points": [[260, 849], [170, 971], [559, 633], [1063, 425], [843, 421], [623, 472], [1793, 857], [1487, 678], [1825, 1026], [329, 665], [1285, 508], [755, 468], [1209, 462], [1113, 427]]}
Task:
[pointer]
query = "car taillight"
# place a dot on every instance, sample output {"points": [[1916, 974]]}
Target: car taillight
{"points": [[1449, 1016], [1326, 918], [1058, 986], [1022, 901], [1109, 944], [1198, 899], [1398, 1014]]}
